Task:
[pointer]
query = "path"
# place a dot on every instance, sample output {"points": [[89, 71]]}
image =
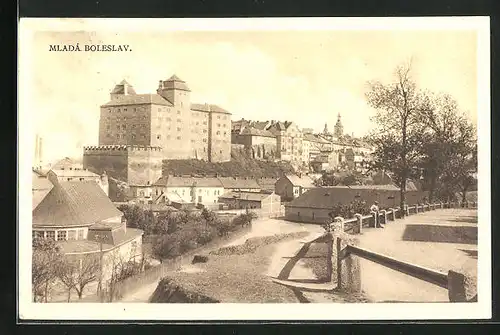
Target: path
{"points": [[441, 240], [260, 227]]}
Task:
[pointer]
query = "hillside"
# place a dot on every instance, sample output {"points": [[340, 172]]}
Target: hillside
{"points": [[239, 166]]}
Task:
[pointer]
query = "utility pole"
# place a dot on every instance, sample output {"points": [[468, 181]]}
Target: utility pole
{"points": [[99, 238]]}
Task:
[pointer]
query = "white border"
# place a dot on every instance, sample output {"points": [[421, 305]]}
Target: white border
{"points": [[186, 312]]}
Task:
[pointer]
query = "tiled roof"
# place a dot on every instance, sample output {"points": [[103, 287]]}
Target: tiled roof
{"points": [[74, 203], [174, 181], [234, 182], [175, 82], [40, 182], [262, 125], [326, 197], [75, 173], [257, 132], [304, 181], [315, 138], [208, 108], [252, 196], [119, 238], [120, 88], [138, 99], [267, 183]]}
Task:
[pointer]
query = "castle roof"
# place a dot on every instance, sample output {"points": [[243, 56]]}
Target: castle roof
{"points": [[120, 88], [74, 203], [175, 83], [138, 99], [209, 108]]}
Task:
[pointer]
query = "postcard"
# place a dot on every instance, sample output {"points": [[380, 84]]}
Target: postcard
{"points": [[236, 169]]}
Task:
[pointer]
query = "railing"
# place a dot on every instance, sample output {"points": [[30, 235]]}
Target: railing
{"points": [[454, 282], [376, 219]]}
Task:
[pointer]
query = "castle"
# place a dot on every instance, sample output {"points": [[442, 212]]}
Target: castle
{"points": [[138, 131]]}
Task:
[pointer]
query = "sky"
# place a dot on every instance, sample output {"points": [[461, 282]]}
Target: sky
{"points": [[303, 76]]}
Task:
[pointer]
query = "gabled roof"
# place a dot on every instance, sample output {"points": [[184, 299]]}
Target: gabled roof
{"points": [[314, 138], [138, 99], [40, 182], [326, 197], [174, 181], [208, 108], [256, 132], [74, 203], [267, 183], [251, 196], [304, 181], [234, 182], [75, 173]]}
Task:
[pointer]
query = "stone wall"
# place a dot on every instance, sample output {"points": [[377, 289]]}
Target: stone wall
{"points": [[112, 159], [144, 165]]}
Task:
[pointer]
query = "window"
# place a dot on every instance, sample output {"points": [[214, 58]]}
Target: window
{"points": [[39, 234], [51, 235], [118, 127], [33, 234], [221, 151], [204, 140], [178, 129], [178, 137], [179, 120], [204, 148], [71, 235], [205, 123], [80, 234], [158, 137], [218, 125], [218, 132], [124, 126], [135, 109], [124, 109], [218, 116], [82, 179], [179, 112], [225, 133], [61, 235], [69, 179], [133, 126], [118, 110], [109, 110], [204, 131]]}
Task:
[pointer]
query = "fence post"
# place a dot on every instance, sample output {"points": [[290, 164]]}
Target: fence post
{"points": [[375, 217], [348, 267], [393, 214], [339, 221], [359, 219], [461, 288], [384, 215], [407, 210]]}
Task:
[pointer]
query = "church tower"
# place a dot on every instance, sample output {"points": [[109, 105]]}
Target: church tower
{"points": [[339, 128], [325, 131]]}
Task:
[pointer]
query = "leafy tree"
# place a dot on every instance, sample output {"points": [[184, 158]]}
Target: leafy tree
{"points": [[398, 136], [449, 147], [46, 258]]}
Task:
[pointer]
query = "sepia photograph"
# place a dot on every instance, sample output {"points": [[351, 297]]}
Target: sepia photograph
{"points": [[254, 165]]}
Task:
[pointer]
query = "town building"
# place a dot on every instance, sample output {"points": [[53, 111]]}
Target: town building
{"points": [[138, 131], [78, 174], [196, 190], [290, 187], [268, 204], [82, 219], [260, 142], [289, 141], [315, 205], [267, 184], [236, 184], [40, 186]]}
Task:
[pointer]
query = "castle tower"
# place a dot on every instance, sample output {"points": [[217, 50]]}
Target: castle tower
{"points": [[339, 128], [176, 91], [123, 88]]}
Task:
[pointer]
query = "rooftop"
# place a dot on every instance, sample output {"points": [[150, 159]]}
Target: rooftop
{"points": [[74, 203], [138, 99], [79, 246], [251, 196], [234, 182], [174, 181], [304, 181], [208, 108], [175, 83]]}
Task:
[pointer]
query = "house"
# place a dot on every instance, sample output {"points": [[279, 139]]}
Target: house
{"points": [[292, 186], [260, 142], [40, 187], [289, 141], [315, 205], [268, 204], [267, 184], [70, 172], [188, 189], [83, 220], [239, 184]]}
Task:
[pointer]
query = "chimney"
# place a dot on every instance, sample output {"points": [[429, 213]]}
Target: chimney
{"points": [[125, 88], [160, 85]]}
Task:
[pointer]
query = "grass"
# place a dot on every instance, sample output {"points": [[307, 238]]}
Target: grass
{"points": [[316, 260], [235, 279]]}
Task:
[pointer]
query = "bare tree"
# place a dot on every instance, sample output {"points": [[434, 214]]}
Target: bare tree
{"points": [[66, 273], [45, 259], [397, 138], [88, 272]]}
